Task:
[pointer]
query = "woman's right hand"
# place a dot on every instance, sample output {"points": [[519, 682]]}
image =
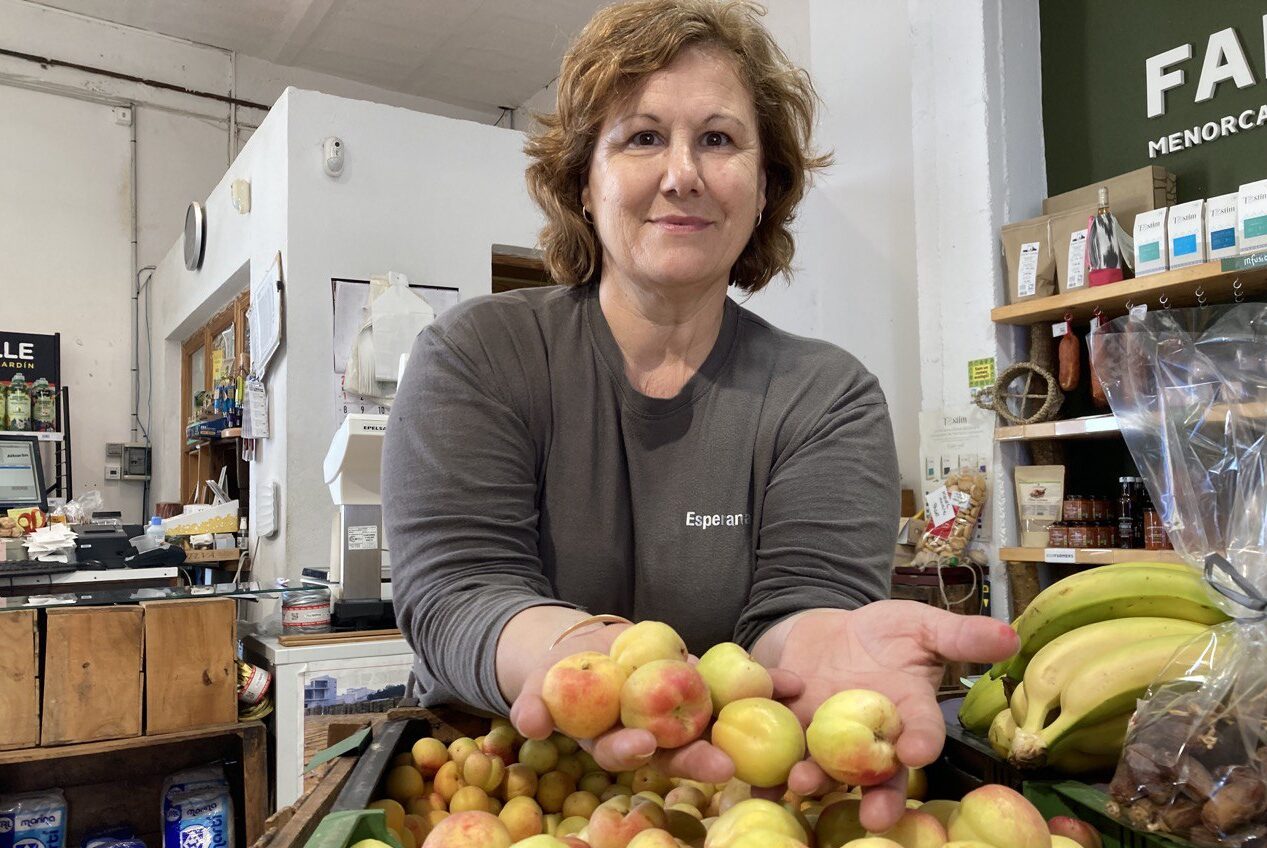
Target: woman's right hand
{"points": [[622, 749]]}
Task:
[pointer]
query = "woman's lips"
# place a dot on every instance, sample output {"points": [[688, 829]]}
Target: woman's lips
{"points": [[681, 223]]}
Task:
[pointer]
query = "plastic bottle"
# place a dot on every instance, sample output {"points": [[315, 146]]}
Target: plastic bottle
{"points": [[155, 531], [17, 404], [43, 406]]}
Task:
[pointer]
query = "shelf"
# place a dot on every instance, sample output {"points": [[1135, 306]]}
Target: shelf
{"points": [[1091, 427], [40, 435], [1180, 288], [1087, 556]]}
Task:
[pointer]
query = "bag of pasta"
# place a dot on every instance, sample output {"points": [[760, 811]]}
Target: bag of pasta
{"points": [[952, 511], [1189, 390]]}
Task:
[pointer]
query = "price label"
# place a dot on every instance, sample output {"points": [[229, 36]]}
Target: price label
{"points": [[1060, 329], [1138, 312], [1066, 556], [1096, 322], [939, 507]]}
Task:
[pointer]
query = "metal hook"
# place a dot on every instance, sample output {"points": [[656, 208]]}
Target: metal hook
{"points": [[1237, 292], [1200, 293], [1130, 304], [1164, 301]]}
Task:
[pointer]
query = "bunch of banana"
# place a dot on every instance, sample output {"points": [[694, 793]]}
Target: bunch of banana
{"points": [[1090, 647], [1129, 590], [1105, 687]]}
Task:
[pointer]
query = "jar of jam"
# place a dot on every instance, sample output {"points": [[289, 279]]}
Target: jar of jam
{"points": [[1081, 534], [1076, 508], [1101, 509], [1058, 535], [1104, 535]]}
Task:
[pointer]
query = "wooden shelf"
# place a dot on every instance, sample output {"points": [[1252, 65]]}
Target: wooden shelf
{"points": [[1087, 556], [1180, 288], [1091, 427]]}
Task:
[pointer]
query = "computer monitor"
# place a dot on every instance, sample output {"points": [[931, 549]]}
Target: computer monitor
{"points": [[21, 473]]}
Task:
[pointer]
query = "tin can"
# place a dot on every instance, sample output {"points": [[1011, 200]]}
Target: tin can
{"points": [[306, 611]]}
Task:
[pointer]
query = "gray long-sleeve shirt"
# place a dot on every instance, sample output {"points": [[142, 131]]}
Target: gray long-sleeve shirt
{"points": [[522, 468]]}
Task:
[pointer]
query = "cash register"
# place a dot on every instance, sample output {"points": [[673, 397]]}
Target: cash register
{"points": [[22, 487]]}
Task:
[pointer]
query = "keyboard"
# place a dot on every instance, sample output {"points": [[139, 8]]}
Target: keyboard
{"points": [[31, 567]]}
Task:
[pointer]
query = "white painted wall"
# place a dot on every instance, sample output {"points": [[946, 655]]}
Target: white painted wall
{"points": [[66, 259], [184, 143], [420, 194], [979, 163]]}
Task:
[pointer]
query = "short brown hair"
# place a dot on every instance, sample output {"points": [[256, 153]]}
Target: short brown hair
{"points": [[621, 45]]}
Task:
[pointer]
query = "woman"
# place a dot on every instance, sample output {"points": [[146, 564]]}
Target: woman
{"points": [[634, 442]]}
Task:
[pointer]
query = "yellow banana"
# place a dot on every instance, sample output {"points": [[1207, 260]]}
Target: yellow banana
{"points": [[1096, 747], [1050, 669], [1002, 731], [984, 701], [1019, 704], [1110, 684], [1164, 590]]}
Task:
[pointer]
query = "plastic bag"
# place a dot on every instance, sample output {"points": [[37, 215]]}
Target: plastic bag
{"points": [[953, 510], [79, 510], [1189, 390]]}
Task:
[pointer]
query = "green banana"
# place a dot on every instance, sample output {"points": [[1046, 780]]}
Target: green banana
{"points": [[1109, 685], [1165, 590], [984, 701], [1060, 659]]}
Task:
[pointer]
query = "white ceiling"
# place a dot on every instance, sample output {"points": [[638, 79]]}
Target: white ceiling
{"points": [[475, 53]]}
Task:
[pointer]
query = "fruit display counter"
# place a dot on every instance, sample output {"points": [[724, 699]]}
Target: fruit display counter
{"points": [[486, 786]]}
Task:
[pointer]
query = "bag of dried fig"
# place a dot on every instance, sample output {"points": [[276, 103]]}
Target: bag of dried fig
{"points": [[1187, 387]]}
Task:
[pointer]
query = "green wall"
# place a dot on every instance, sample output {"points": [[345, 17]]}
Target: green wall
{"points": [[1094, 93]]}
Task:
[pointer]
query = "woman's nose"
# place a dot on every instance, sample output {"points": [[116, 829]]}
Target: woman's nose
{"points": [[681, 171]]}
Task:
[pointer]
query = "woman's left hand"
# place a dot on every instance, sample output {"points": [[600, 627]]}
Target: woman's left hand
{"points": [[897, 648]]}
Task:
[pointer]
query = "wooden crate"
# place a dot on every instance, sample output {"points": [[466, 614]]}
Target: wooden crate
{"points": [[19, 679], [120, 782], [93, 660], [190, 673]]}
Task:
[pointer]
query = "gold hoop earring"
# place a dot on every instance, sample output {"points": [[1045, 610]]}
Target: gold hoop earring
{"points": [[585, 213]]}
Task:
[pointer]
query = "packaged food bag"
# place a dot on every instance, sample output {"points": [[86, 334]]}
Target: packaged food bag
{"points": [[1189, 390], [197, 809], [33, 820]]}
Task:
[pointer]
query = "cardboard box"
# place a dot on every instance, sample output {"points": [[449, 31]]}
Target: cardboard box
{"points": [[1151, 187], [19, 679], [190, 668], [1031, 266], [1063, 227], [93, 661]]}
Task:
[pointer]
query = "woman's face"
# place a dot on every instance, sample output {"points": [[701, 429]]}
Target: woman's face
{"points": [[676, 179]]}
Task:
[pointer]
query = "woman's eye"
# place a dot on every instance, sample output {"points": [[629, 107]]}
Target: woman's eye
{"points": [[716, 139], [644, 138]]}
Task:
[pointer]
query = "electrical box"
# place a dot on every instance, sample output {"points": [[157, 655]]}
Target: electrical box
{"points": [[136, 461]]}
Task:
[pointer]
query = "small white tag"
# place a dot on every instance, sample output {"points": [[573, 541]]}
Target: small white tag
{"points": [[1096, 321], [1027, 272], [1060, 329], [1138, 312], [938, 506], [1060, 555], [1077, 261], [363, 538]]}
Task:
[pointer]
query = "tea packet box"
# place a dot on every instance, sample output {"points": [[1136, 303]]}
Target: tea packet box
{"points": [[1152, 248], [1251, 212], [1220, 227], [1185, 232]]}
